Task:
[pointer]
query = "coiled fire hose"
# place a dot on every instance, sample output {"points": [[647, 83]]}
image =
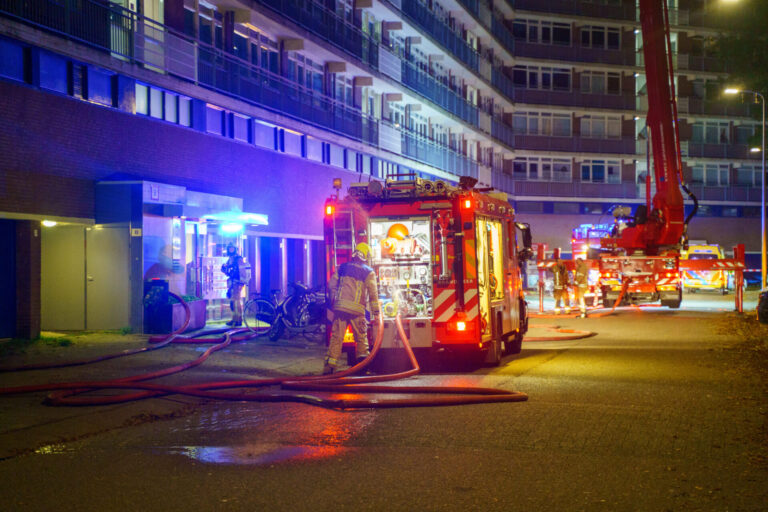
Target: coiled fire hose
{"points": [[68, 393]]}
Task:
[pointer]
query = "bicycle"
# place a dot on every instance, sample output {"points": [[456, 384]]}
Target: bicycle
{"points": [[259, 313], [301, 312]]}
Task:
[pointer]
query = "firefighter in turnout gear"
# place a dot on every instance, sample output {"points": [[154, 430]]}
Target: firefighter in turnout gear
{"points": [[351, 288], [237, 277], [581, 284], [561, 283]]}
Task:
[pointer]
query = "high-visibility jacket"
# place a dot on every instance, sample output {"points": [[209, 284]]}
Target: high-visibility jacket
{"points": [[581, 275], [352, 287], [560, 272]]}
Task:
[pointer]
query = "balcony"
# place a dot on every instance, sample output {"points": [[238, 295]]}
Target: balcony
{"points": [[720, 151], [576, 8], [716, 108], [574, 53], [553, 189], [314, 17], [623, 146], [734, 193], [501, 81], [424, 84], [575, 99], [144, 42], [424, 150], [440, 32]]}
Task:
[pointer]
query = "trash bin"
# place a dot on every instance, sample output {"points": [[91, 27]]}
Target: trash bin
{"points": [[762, 307], [157, 310]]}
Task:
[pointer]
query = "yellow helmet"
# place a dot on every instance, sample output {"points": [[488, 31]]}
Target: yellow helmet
{"points": [[362, 250]]}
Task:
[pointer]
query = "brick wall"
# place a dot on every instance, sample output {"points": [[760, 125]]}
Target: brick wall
{"points": [[54, 148]]}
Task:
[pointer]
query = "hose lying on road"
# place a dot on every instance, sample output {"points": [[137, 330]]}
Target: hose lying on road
{"points": [[68, 393]]}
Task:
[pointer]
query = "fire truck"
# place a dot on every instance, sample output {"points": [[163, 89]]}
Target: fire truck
{"points": [[638, 256], [446, 258]]}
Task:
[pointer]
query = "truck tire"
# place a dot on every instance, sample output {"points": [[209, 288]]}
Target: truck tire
{"points": [[673, 303]]}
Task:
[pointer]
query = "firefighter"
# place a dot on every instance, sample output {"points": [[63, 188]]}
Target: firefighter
{"points": [[351, 287], [234, 269], [561, 282], [581, 284]]}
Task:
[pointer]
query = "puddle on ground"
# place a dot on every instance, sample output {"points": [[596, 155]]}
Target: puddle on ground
{"points": [[262, 454], [54, 449]]}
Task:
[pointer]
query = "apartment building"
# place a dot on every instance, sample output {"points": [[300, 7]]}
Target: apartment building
{"points": [[155, 132]]}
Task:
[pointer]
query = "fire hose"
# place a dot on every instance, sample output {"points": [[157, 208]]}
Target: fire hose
{"points": [[68, 393], [574, 334]]}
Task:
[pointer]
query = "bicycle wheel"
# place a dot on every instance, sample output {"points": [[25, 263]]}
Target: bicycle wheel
{"points": [[259, 314]]}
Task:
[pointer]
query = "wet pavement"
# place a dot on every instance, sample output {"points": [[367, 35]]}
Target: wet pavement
{"points": [[660, 410]]}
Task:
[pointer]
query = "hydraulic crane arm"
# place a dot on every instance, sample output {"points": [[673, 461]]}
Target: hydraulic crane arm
{"points": [[665, 223]]}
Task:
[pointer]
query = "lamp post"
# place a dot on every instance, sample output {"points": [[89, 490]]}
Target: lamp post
{"points": [[762, 181]]}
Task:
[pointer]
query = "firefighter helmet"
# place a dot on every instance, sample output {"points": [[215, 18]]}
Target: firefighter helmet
{"points": [[361, 251]]}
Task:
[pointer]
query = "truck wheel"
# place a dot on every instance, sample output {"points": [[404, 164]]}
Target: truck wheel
{"points": [[673, 303], [514, 343]]}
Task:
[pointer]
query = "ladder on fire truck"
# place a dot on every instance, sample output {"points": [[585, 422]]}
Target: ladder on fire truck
{"points": [[343, 225]]}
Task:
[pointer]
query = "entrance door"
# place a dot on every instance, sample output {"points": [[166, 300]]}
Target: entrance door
{"points": [[62, 284], [107, 268]]}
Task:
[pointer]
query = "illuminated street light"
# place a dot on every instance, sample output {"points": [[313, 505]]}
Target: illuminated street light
{"points": [[762, 181]]}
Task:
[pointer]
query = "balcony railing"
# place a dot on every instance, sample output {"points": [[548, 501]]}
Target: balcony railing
{"points": [[424, 84], [425, 151], [623, 146], [577, 7], [544, 189], [575, 99], [574, 53], [328, 25], [142, 41], [441, 32], [723, 151], [729, 193]]}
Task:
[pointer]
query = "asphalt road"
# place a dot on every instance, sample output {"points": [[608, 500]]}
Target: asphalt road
{"points": [[660, 410]]}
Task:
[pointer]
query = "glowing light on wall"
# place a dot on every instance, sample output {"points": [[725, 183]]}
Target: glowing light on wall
{"points": [[232, 227]]}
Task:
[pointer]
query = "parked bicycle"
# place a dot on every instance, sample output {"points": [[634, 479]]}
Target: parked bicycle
{"points": [[301, 312], [259, 313]]}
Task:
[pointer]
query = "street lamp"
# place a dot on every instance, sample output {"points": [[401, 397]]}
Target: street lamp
{"points": [[762, 181]]}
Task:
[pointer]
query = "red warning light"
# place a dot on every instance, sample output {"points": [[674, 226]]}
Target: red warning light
{"points": [[329, 209], [467, 203], [461, 326]]}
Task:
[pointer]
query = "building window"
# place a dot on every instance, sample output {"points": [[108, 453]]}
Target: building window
{"points": [[600, 82], [214, 120], [529, 207], [548, 79], [542, 123], [744, 133], [601, 127], [541, 169], [748, 175], [601, 171], [566, 208], [710, 175], [539, 31], [710, 132], [600, 37]]}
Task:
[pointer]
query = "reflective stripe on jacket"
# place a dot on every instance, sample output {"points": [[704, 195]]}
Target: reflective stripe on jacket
{"points": [[581, 275], [560, 272], [352, 287]]}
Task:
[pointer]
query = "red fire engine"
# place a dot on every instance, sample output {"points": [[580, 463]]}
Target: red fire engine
{"points": [[446, 259]]}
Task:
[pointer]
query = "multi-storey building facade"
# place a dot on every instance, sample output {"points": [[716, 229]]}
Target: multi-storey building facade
{"points": [[159, 131]]}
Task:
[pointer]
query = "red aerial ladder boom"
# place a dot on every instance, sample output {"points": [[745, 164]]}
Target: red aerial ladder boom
{"points": [[661, 225]]}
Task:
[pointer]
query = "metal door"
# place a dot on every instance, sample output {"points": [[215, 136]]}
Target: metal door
{"points": [[107, 278]]}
